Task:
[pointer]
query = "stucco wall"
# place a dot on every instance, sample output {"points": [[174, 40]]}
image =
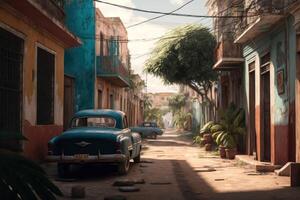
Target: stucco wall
{"points": [[80, 62], [33, 36], [111, 27], [280, 43]]}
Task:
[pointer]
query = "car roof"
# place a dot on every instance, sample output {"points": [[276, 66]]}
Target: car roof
{"points": [[116, 114], [99, 112]]}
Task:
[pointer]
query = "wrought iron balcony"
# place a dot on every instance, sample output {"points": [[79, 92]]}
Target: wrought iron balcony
{"points": [[228, 55], [112, 69], [259, 17], [47, 15]]}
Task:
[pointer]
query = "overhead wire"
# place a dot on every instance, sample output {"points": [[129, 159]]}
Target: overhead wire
{"points": [[173, 14], [162, 37], [160, 16]]}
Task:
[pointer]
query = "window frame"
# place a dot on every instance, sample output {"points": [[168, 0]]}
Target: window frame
{"points": [[49, 50]]}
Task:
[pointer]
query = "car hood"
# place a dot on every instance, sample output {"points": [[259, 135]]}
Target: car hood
{"points": [[88, 133]]}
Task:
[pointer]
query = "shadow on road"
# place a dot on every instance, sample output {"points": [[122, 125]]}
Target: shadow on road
{"points": [[166, 143], [166, 179], [90, 172]]}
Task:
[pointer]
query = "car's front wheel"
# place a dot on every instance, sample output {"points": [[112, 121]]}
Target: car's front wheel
{"points": [[63, 170], [123, 167], [138, 158]]}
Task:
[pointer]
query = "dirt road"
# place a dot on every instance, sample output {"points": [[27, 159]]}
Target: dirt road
{"points": [[174, 169]]}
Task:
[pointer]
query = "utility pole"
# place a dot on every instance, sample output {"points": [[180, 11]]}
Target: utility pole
{"points": [[146, 94]]}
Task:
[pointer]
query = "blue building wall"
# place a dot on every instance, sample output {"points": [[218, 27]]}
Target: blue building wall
{"points": [[80, 62], [281, 43]]}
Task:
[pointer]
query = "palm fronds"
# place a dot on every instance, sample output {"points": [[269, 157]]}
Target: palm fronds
{"points": [[21, 178], [230, 127]]}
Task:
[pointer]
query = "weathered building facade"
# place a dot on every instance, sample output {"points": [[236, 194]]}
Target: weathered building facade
{"points": [[160, 100], [295, 11], [97, 74], [80, 62], [201, 110], [32, 44], [265, 32]]}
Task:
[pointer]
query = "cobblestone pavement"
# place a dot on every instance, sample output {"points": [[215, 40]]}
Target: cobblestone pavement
{"points": [[174, 169]]}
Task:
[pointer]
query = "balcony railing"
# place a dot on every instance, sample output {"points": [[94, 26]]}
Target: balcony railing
{"points": [[112, 69], [258, 17], [228, 55], [54, 8]]}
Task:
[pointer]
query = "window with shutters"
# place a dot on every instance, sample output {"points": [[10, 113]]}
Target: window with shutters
{"points": [[11, 66], [45, 86]]}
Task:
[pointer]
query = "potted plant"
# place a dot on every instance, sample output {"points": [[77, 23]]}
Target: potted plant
{"points": [[222, 151], [217, 129], [206, 132], [208, 147], [226, 132]]}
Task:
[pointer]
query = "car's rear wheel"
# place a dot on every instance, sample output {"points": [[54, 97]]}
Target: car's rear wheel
{"points": [[123, 167], [153, 135], [63, 170]]}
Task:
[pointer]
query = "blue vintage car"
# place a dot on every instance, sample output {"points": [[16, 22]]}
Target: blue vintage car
{"points": [[148, 129], [96, 136]]}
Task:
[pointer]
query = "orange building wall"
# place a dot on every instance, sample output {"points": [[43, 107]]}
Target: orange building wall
{"points": [[38, 136]]}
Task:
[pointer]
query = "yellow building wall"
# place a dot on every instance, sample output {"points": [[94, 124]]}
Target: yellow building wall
{"points": [[38, 135], [33, 37]]}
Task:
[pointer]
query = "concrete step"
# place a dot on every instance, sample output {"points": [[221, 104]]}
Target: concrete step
{"points": [[285, 170], [257, 165]]}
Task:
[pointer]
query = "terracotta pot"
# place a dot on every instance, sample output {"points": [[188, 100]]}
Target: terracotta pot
{"points": [[222, 152], [207, 138], [230, 153], [208, 147]]}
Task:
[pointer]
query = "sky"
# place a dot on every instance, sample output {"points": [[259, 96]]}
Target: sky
{"points": [[140, 50]]}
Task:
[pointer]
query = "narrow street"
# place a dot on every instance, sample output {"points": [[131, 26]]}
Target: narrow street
{"points": [[173, 168]]}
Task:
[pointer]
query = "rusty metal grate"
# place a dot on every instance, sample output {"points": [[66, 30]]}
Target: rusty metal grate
{"points": [[11, 60]]}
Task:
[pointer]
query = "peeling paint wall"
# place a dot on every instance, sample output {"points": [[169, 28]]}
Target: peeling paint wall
{"points": [[38, 136], [80, 62], [280, 42]]}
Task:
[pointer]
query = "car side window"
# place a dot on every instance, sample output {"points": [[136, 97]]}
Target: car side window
{"points": [[125, 123]]}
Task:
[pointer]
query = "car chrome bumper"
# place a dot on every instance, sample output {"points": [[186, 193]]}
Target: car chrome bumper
{"points": [[109, 158]]}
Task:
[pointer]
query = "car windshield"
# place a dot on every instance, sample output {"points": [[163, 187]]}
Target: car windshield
{"points": [[100, 122], [149, 125]]}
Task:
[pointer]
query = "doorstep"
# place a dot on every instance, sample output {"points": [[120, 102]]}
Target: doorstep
{"points": [[257, 165]]}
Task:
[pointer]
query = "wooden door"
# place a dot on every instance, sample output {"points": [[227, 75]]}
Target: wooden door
{"points": [[45, 86], [252, 135], [11, 61], [11, 70], [265, 116], [69, 96]]}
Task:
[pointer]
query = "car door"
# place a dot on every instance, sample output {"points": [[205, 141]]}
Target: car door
{"points": [[135, 137]]}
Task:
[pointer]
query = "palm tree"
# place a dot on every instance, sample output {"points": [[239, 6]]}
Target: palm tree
{"points": [[177, 102], [21, 178], [181, 119]]}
